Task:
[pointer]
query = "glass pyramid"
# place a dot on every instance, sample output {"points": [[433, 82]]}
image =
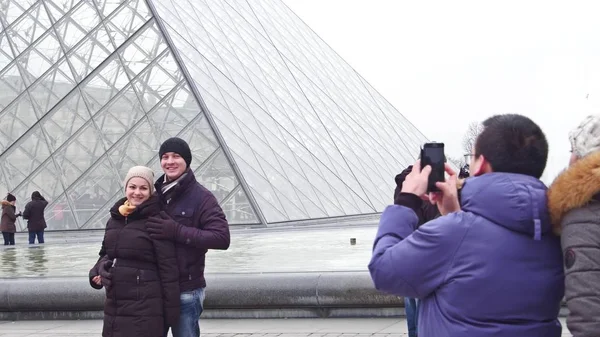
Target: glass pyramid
{"points": [[281, 128]]}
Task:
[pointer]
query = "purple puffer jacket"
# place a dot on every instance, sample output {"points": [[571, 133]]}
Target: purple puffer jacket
{"points": [[493, 269]]}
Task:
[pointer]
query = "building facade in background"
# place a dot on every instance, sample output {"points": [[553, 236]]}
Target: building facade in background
{"points": [[281, 128]]}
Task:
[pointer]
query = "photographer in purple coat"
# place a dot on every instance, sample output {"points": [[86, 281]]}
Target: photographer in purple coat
{"points": [[490, 265]]}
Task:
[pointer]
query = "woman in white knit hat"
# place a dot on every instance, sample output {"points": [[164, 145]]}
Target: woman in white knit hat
{"points": [[139, 274], [574, 203]]}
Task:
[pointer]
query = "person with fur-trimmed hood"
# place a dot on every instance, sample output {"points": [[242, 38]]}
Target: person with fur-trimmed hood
{"points": [[8, 220], [574, 204]]}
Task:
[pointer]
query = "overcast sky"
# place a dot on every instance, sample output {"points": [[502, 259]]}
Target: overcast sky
{"points": [[444, 64]]}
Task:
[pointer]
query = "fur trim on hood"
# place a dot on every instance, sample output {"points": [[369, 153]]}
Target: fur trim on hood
{"points": [[5, 203], [574, 188]]}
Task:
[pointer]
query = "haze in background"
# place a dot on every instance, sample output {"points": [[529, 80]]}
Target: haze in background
{"points": [[445, 64]]}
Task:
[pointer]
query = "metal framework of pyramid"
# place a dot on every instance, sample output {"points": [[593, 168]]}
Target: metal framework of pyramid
{"points": [[281, 128]]}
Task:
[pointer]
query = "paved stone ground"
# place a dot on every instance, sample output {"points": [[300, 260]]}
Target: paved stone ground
{"points": [[332, 327], [225, 328]]}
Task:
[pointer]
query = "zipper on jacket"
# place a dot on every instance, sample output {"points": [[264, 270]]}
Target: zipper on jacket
{"points": [[113, 266], [137, 289]]}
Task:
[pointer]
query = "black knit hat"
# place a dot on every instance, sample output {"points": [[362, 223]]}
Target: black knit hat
{"points": [[10, 197], [178, 146]]}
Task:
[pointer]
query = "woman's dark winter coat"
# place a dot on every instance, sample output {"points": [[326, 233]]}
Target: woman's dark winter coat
{"points": [[34, 214], [144, 291], [7, 222]]}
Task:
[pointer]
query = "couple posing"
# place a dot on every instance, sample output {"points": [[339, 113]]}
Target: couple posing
{"points": [[152, 257]]}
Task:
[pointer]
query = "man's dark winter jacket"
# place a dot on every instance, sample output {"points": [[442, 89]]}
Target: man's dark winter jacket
{"points": [[34, 214], [144, 294], [204, 227]]}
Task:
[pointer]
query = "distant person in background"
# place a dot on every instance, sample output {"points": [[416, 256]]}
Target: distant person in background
{"points": [[425, 211], [9, 217], [464, 172], [34, 214], [574, 202]]}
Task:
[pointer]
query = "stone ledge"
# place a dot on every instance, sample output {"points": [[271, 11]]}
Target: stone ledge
{"points": [[260, 295], [221, 314], [328, 290]]}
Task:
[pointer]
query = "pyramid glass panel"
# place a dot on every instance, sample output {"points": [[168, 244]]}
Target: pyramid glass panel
{"points": [[137, 147], [52, 87], [38, 59], [281, 128], [11, 85], [59, 8], [15, 119], [237, 208], [42, 180], [13, 9], [26, 156], [74, 26], [29, 27], [93, 190], [59, 215], [5, 52], [99, 219], [90, 52]]}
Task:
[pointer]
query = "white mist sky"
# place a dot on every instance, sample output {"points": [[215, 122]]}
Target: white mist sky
{"points": [[444, 64]]}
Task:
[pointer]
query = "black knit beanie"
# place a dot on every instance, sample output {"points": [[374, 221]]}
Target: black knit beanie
{"points": [[178, 146], [10, 198]]}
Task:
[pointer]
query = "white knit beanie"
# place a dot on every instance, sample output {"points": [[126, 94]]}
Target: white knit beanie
{"points": [[585, 138], [143, 172]]}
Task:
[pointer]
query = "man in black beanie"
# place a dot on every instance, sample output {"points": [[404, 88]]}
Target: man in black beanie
{"points": [[177, 150], [193, 220]]}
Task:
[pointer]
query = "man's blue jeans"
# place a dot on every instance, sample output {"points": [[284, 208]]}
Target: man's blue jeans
{"points": [[192, 305], [33, 234], [411, 305]]}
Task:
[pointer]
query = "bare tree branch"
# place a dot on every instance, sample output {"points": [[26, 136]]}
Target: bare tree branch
{"points": [[470, 137]]}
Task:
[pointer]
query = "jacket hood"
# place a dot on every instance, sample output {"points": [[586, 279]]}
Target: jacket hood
{"points": [[574, 188], [5, 203], [37, 196], [514, 201]]}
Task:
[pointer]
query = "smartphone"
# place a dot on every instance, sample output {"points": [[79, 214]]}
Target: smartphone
{"points": [[432, 154]]}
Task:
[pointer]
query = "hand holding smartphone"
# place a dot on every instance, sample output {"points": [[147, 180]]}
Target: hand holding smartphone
{"points": [[432, 154]]}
